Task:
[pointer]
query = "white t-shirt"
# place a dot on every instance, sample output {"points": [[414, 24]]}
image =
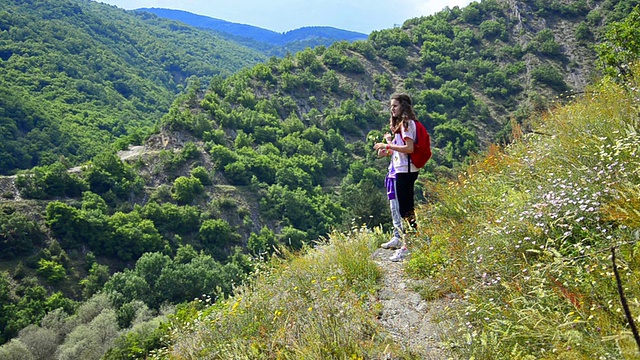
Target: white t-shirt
{"points": [[399, 159]]}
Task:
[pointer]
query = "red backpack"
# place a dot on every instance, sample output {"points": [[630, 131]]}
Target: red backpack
{"points": [[421, 147]]}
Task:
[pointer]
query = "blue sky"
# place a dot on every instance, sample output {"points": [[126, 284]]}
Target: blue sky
{"points": [[283, 15]]}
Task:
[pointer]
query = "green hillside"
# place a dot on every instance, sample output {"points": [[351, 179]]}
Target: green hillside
{"points": [[522, 242], [277, 157], [75, 76]]}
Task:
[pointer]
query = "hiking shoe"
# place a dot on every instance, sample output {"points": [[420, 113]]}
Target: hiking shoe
{"points": [[394, 243], [400, 254]]}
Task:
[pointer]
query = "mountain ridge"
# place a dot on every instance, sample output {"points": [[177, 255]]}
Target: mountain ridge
{"points": [[269, 41], [255, 32]]}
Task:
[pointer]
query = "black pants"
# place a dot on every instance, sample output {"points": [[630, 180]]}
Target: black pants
{"points": [[404, 194]]}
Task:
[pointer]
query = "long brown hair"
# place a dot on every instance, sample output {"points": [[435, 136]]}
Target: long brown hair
{"points": [[406, 113]]}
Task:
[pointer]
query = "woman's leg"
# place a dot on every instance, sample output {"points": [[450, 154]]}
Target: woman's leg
{"points": [[396, 218], [405, 195]]}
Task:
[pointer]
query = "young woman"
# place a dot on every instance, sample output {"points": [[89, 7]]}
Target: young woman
{"points": [[402, 173]]}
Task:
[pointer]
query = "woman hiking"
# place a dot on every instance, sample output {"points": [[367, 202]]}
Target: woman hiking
{"points": [[402, 173]]}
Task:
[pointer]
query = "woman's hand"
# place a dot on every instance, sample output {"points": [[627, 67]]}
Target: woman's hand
{"points": [[382, 148]]}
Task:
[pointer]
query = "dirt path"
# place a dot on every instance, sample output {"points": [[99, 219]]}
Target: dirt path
{"points": [[408, 318]]}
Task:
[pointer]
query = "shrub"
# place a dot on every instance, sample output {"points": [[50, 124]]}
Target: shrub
{"points": [[53, 271], [186, 189]]}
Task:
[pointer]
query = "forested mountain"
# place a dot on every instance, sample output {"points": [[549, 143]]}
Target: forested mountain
{"points": [[268, 41], [274, 154], [77, 75]]}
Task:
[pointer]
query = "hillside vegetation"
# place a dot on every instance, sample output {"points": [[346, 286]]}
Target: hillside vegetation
{"points": [[76, 75], [277, 157], [524, 236]]}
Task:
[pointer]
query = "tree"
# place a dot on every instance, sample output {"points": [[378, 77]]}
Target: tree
{"points": [[186, 189], [98, 276], [397, 56], [186, 282], [292, 237], [149, 266], [18, 235], [549, 75], [65, 223], [622, 46], [51, 270], [50, 181], [491, 29], [92, 340], [262, 243], [216, 233], [41, 342], [202, 174], [222, 156], [124, 287], [131, 236]]}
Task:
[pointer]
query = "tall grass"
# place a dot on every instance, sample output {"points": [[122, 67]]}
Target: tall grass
{"points": [[318, 305], [524, 235]]}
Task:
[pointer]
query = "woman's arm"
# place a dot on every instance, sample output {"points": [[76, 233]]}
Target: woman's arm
{"points": [[407, 148]]}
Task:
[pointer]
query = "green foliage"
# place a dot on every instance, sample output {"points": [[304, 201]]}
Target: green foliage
{"points": [[108, 175], [621, 47], [583, 33], [337, 60], [545, 44], [293, 238], [27, 305], [171, 218], [293, 130], [365, 204], [157, 279], [65, 222], [131, 237], [382, 39], [363, 47], [185, 121], [397, 56], [222, 156], [98, 276], [19, 235], [186, 189], [549, 75], [312, 212], [491, 29], [262, 243], [47, 182], [73, 85], [216, 233], [51, 270], [458, 141], [142, 339]]}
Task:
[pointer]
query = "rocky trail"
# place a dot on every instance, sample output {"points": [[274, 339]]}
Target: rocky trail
{"points": [[408, 319]]}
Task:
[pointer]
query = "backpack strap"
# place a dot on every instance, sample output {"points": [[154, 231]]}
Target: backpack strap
{"points": [[408, 159], [414, 143]]}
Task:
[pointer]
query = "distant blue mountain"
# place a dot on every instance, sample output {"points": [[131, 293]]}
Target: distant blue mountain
{"points": [[311, 35]]}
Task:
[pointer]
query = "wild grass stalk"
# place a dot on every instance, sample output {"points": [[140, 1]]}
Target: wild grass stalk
{"points": [[524, 236]]}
